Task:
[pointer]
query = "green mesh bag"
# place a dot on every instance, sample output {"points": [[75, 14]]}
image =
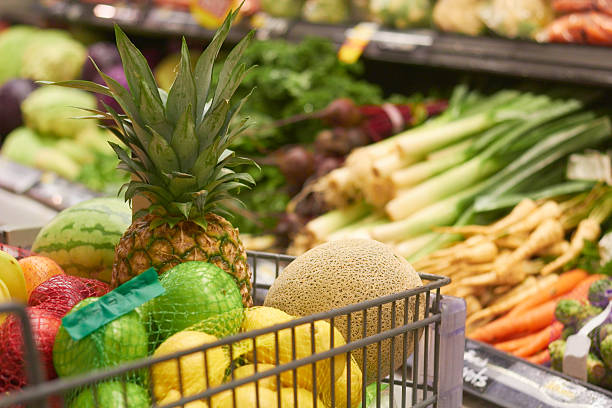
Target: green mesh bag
{"points": [[122, 340], [112, 394], [198, 296]]}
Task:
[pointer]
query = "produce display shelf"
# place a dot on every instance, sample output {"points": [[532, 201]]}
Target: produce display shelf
{"points": [[580, 64], [500, 379]]}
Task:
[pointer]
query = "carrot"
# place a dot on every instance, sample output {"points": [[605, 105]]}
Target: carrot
{"points": [[508, 303], [566, 282], [540, 340], [542, 357], [535, 319], [515, 344]]}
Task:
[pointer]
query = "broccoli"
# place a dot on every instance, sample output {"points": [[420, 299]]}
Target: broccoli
{"points": [[604, 331], [596, 370], [568, 311], [586, 313], [605, 349], [597, 292], [50, 110], [556, 350], [53, 56], [568, 331]]}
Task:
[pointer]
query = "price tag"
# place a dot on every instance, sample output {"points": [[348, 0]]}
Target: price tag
{"points": [[16, 177], [357, 39], [400, 41]]}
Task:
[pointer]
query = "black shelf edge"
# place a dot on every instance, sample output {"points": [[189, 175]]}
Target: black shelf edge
{"points": [[578, 64]]}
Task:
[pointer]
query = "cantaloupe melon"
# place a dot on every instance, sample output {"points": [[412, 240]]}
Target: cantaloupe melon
{"points": [[344, 272]]}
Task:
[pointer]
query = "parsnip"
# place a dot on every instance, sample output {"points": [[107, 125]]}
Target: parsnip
{"points": [[519, 212], [525, 285], [472, 304], [500, 290], [510, 301], [588, 229], [547, 233], [548, 210], [511, 241], [557, 249]]}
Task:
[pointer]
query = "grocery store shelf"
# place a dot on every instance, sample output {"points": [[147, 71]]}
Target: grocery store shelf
{"points": [[579, 64]]}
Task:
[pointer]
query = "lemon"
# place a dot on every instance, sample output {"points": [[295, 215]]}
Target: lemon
{"points": [[194, 377], [260, 317], [267, 382], [246, 397], [304, 399], [5, 296]]}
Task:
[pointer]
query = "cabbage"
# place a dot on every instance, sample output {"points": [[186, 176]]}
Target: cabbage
{"points": [[51, 110], [459, 16], [516, 18], [326, 11], [402, 13], [53, 55], [282, 8], [13, 43]]}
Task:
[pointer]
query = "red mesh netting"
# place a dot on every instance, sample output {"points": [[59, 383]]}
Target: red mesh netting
{"points": [[44, 328], [61, 292]]}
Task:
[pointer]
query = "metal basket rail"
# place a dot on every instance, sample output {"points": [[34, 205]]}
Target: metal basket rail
{"points": [[432, 372]]}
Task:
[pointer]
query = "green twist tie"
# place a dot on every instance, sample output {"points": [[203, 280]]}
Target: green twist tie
{"points": [[113, 305]]}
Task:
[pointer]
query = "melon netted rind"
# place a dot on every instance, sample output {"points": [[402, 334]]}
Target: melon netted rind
{"points": [[82, 238], [345, 272]]}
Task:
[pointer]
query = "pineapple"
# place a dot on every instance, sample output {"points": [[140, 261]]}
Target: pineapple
{"points": [[179, 161]]}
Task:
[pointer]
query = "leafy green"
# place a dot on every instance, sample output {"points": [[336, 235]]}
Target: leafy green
{"points": [[590, 260], [290, 79]]}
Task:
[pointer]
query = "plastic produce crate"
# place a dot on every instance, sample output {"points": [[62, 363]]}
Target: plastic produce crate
{"points": [[431, 375]]}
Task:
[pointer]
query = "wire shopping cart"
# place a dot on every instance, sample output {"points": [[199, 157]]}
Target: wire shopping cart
{"points": [[430, 343]]}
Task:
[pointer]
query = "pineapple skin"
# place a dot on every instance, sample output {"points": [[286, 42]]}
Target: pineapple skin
{"points": [[164, 247]]}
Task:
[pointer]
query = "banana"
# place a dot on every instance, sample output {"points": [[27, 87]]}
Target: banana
{"points": [[12, 275], [5, 296]]}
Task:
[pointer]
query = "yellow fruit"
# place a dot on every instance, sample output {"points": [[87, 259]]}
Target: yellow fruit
{"points": [[304, 399], [246, 397], [5, 296], [12, 275], [174, 395], [260, 317], [345, 272], [286, 378], [193, 375], [341, 387]]}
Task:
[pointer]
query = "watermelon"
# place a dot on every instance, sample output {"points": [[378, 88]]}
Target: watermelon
{"points": [[82, 238]]}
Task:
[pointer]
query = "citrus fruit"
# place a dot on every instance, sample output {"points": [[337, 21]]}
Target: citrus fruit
{"points": [[194, 377], [38, 269], [194, 291], [113, 394], [123, 339]]}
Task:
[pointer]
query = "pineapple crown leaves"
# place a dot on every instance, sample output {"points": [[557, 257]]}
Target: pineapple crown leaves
{"points": [[179, 141]]}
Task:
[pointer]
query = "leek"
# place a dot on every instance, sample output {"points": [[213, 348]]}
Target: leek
{"points": [[492, 159]]}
